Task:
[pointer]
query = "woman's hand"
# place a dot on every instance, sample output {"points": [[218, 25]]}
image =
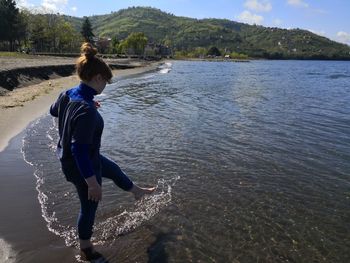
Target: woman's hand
{"points": [[95, 193], [94, 189], [97, 104]]}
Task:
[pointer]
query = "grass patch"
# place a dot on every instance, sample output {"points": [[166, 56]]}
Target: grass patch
{"points": [[15, 55]]}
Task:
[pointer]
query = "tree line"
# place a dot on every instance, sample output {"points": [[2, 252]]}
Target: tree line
{"points": [[24, 29], [212, 52], [31, 31]]}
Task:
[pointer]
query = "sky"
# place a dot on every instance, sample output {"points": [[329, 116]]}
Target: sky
{"points": [[328, 18]]}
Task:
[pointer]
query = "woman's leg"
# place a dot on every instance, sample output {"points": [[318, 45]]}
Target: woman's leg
{"points": [[87, 214], [88, 208], [112, 171]]}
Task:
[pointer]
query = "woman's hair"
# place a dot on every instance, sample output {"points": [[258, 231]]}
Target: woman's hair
{"points": [[88, 65]]}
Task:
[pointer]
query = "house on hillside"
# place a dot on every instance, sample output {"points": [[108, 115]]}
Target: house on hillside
{"points": [[102, 44]]}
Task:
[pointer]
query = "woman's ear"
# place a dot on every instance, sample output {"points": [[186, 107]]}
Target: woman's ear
{"points": [[95, 78], [99, 77]]}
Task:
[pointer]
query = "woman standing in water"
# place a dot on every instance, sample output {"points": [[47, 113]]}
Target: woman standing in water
{"points": [[80, 128]]}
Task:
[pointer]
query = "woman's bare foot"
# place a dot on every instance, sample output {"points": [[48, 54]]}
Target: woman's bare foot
{"points": [[88, 252], [85, 243], [139, 192]]}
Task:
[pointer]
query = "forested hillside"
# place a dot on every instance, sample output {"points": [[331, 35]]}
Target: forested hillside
{"points": [[187, 34], [119, 33]]}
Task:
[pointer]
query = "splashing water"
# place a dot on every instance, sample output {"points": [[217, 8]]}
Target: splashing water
{"points": [[7, 255], [32, 145], [144, 209], [56, 196], [165, 68]]}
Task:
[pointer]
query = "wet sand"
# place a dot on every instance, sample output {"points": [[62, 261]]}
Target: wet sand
{"points": [[24, 236], [23, 231]]}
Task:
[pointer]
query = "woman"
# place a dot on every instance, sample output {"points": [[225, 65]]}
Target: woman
{"points": [[80, 128]]}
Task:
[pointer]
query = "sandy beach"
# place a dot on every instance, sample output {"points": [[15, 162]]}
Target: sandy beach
{"points": [[24, 236]]}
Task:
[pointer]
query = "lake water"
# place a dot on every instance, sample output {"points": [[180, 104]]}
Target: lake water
{"points": [[251, 160]]}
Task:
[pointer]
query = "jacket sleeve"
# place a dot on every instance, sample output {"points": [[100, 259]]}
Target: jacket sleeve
{"points": [[84, 126], [82, 138], [54, 107], [81, 155]]}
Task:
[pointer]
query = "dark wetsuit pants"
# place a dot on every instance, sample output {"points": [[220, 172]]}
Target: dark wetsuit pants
{"points": [[109, 169]]}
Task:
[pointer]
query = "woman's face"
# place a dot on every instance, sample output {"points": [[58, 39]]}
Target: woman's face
{"points": [[99, 83]]}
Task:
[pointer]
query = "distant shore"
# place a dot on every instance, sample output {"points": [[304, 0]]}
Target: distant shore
{"points": [[32, 97]]}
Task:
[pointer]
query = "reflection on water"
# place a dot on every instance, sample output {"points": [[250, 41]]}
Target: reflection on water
{"points": [[251, 160]]}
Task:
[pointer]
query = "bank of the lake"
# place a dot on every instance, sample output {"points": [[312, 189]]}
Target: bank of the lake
{"points": [[251, 161]]}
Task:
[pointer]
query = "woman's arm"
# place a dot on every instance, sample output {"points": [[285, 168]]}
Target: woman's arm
{"points": [[82, 139], [81, 156], [54, 107]]}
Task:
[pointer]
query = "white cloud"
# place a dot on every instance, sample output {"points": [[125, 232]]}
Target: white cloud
{"points": [[258, 5], [74, 8], [54, 5], [298, 3], [24, 4], [277, 22], [343, 37], [249, 18]]}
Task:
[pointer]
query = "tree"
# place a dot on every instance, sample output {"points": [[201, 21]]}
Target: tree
{"points": [[23, 30], [68, 38], [134, 43], [86, 30], [11, 23], [167, 42], [51, 33], [54, 23], [238, 55], [114, 45], [38, 28], [214, 51], [199, 52], [102, 45], [122, 47]]}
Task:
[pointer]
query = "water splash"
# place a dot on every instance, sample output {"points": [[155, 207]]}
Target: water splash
{"points": [[144, 210], [165, 68], [56, 196], [45, 196], [7, 255]]}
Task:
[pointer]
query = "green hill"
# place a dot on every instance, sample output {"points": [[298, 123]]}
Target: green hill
{"points": [[182, 33]]}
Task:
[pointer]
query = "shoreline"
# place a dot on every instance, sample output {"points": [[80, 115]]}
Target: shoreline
{"points": [[19, 72], [22, 106], [24, 236]]}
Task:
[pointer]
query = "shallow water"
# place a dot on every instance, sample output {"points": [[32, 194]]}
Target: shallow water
{"points": [[251, 162]]}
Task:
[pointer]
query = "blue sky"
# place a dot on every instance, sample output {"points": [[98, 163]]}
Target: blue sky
{"points": [[323, 17]]}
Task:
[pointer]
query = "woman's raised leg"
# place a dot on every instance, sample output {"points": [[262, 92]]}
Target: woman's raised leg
{"points": [[112, 171]]}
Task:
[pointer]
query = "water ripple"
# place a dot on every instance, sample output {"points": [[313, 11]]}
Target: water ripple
{"points": [[262, 149]]}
